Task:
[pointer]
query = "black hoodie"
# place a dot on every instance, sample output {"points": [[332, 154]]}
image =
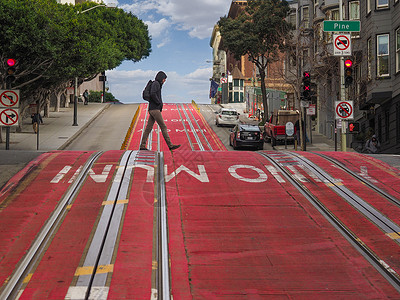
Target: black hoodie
{"points": [[155, 92]]}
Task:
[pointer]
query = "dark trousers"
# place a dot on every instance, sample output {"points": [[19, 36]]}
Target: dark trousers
{"points": [[155, 116]]}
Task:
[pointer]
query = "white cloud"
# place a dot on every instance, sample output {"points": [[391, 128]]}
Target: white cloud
{"points": [[158, 28], [196, 17], [127, 86]]}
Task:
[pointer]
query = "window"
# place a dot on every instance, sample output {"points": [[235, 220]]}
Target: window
{"points": [[306, 17], [292, 19], [354, 10], [335, 14], [316, 3], [382, 4], [369, 59], [354, 14], [382, 48], [368, 6], [398, 50]]}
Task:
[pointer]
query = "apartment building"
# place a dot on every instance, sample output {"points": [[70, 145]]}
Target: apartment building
{"points": [[243, 72], [376, 65]]}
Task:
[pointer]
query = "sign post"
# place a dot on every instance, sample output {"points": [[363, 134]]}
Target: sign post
{"points": [[9, 112]]}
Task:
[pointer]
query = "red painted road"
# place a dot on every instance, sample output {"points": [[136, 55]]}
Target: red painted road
{"points": [[177, 122], [26, 207], [235, 230], [242, 234], [56, 271]]}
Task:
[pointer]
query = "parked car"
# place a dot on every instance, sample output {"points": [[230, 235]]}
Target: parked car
{"points": [[245, 135], [275, 127], [227, 116]]}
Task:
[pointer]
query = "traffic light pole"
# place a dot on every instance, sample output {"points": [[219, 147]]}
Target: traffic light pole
{"points": [[342, 88], [76, 103]]}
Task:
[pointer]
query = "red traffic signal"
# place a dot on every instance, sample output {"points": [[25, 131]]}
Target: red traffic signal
{"points": [[11, 62], [348, 63], [348, 72]]}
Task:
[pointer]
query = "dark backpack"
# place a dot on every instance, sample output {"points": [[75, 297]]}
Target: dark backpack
{"points": [[147, 90]]}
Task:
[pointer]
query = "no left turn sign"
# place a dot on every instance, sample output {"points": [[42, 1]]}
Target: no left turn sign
{"points": [[344, 110], [9, 117], [341, 44], [9, 98]]}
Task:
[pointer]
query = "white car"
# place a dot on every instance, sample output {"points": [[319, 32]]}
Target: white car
{"points": [[227, 116]]}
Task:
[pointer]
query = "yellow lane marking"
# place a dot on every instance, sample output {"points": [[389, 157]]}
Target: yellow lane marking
{"points": [[89, 270], [28, 278], [154, 265], [110, 202], [394, 235]]}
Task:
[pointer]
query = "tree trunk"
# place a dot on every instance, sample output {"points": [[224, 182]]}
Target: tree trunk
{"points": [[264, 94], [58, 102]]}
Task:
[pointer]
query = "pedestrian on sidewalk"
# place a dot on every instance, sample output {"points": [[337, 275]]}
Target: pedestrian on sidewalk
{"points": [[36, 118], [372, 145], [86, 97], [155, 109]]}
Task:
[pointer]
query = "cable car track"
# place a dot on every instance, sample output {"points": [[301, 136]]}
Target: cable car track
{"points": [[378, 190], [44, 237], [389, 273]]}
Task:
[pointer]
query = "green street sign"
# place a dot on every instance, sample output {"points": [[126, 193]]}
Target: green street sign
{"points": [[342, 26]]}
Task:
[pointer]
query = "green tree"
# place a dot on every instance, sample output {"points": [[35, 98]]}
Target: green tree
{"points": [[53, 44], [260, 32]]}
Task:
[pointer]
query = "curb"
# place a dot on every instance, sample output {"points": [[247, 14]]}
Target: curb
{"points": [[72, 138]]}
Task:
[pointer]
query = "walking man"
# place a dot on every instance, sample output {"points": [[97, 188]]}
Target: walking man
{"points": [[155, 109]]}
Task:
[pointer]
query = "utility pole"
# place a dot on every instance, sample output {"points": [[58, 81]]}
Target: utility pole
{"points": [[342, 87]]}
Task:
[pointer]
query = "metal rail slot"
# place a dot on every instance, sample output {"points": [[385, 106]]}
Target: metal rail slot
{"points": [[104, 248], [370, 212], [388, 273], [184, 127], [196, 136], [164, 290], [363, 180], [198, 126], [47, 231]]}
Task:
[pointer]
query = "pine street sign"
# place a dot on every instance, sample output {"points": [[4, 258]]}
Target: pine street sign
{"points": [[342, 26]]}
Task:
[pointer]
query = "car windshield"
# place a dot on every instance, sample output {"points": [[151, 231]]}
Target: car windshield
{"points": [[229, 112]]}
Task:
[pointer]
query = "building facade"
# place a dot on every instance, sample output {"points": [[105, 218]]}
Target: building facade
{"points": [[241, 73], [376, 66]]}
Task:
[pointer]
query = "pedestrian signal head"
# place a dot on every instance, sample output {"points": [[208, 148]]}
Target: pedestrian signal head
{"points": [[354, 127], [306, 86]]}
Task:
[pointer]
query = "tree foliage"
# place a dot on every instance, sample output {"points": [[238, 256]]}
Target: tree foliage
{"points": [[53, 43], [259, 32]]}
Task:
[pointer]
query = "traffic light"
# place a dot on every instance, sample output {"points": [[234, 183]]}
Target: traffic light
{"points": [[354, 127], [348, 72], [10, 73], [306, 86]]}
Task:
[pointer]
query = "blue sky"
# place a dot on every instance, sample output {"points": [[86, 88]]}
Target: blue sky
{"points": [[180, 31]]}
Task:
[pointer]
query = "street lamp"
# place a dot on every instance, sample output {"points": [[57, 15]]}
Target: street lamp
{"points": [[109, 5]]}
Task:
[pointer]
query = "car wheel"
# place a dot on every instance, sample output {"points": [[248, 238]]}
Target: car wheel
{"points": [[234, 146]]}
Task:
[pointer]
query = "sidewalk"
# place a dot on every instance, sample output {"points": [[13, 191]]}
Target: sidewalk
{"points": [[56, 131]]}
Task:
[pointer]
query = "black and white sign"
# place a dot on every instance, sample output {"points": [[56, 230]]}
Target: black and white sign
{"points": [[9, 117], [289, 129], [344, 110], [9, 98], [342, 44]]}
